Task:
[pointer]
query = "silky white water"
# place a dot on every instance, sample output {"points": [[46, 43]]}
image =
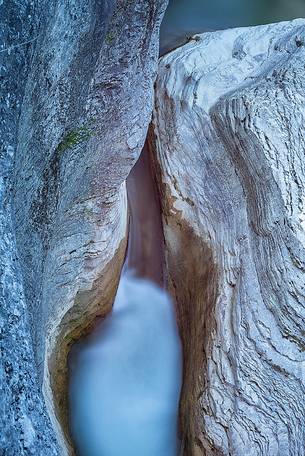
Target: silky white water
{"points": [[125, 378]]}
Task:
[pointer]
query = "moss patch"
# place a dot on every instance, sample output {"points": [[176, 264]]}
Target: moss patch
{"points": [[74, 138], [109, 38]]}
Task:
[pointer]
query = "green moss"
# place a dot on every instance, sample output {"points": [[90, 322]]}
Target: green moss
{"points": [[74, 137], [109, 38]]}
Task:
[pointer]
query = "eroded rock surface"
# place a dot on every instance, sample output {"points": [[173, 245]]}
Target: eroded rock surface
{"points": [[228, 131], [76, 99]]}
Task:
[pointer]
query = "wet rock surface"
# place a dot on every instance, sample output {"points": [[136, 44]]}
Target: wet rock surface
{"points": [[228, 131]]}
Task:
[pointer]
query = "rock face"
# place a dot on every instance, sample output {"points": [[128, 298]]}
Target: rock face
{"points": [[76, 99], [228, 131]]}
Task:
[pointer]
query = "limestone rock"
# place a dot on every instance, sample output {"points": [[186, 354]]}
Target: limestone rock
{"points": [[228, 131]]}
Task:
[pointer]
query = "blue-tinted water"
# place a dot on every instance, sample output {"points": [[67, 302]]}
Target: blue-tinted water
{"points": [[126, 378], [187, 17]]}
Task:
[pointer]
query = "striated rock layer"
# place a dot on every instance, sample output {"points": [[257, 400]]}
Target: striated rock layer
{"points": [[228, 130], [76, 99]]}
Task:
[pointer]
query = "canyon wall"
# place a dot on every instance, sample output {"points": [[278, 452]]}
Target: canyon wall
{"points": [[228, 131], [76, 100], [227, 144]]}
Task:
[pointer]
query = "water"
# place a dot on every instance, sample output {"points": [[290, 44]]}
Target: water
{"points": [[186, 17], [145, 241], [125, 378]]}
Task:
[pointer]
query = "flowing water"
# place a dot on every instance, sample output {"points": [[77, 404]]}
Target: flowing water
{"points": [[125, 378]]}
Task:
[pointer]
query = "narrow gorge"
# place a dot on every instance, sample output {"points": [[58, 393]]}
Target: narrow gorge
{"points": [[125, 378], [152, 219]]}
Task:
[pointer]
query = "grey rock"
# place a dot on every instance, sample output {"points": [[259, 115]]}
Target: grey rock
{"points": [[76, 100]]}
